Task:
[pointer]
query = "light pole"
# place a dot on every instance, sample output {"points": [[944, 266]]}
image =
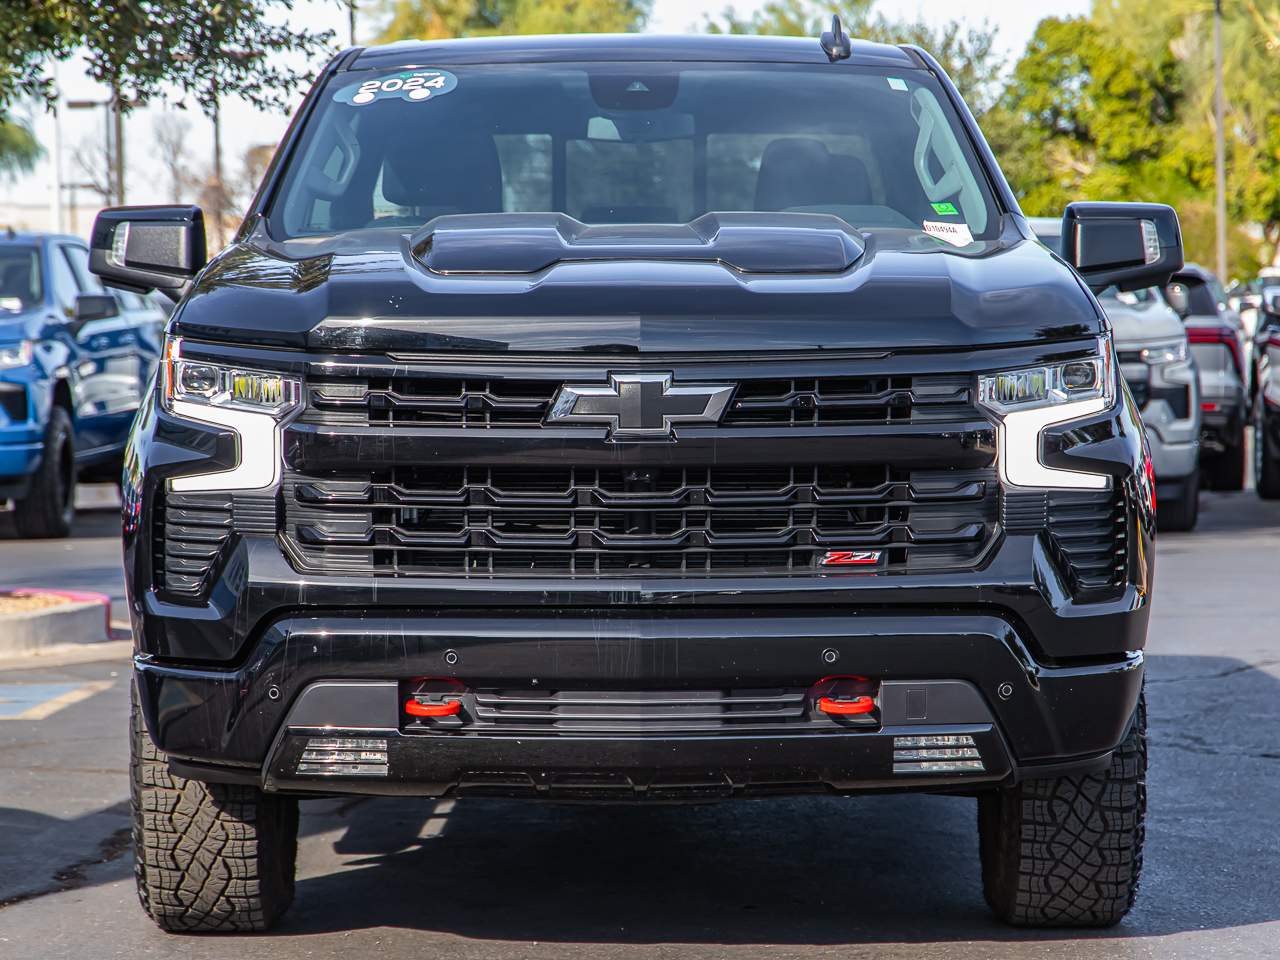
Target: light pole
{"points": [[1219, 148]]}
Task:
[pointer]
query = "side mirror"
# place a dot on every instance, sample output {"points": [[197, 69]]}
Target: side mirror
{"points": [[95, 306], [1126, 245], [147, 248], [1175, 294]]}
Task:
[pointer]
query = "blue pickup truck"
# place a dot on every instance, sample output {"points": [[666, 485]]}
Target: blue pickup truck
{"points": [[74, 362]]}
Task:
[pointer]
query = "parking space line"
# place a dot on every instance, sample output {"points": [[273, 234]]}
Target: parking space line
{"points": [[41, 700]]}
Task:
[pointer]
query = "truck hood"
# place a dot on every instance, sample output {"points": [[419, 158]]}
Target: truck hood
{"points": [[1135, 325], [890, 289]]}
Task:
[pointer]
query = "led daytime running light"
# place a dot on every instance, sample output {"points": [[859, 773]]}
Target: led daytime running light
{"points": [[219, 385]]}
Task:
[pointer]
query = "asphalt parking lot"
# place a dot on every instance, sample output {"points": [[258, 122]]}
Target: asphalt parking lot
{"points": [[882, 877]]}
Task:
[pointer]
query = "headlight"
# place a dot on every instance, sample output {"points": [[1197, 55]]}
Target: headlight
{"points": [[1028, 400], [219, 385], [1085, 379], [1168, 351], [15, 354], [250, 403]]}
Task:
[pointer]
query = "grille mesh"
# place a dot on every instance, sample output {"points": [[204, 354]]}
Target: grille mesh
{"points": [[481, 521], [509, 402]]}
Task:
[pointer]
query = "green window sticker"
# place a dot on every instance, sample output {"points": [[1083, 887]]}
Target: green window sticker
{"points": [[945, 209], [897, 83]]}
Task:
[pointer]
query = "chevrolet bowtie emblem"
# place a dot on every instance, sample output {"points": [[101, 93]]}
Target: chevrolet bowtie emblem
{"points": [[639, 405]]}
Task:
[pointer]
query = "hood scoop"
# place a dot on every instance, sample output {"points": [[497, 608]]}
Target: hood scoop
{"points": [[526, 243]]}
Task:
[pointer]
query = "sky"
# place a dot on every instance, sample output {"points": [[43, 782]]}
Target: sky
{"points": [[244, 127]]}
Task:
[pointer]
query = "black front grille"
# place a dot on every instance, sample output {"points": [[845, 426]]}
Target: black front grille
{"points": [[13, 401], [1088, 535], [1141, 391], [586, 521], [194, 530], [511, 402]]}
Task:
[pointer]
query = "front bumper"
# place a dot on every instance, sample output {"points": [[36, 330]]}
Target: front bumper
{"points": [[961, 674]]}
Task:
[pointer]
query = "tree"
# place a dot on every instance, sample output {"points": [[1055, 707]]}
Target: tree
{"points": [[19, 149], [1095, 109], [443, 19], [966, 53], [170, 132], [142, 49]]}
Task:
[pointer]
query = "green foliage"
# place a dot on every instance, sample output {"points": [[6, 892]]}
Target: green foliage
{"points": [[141, 47], [443, 19], [19, 149], [1098, 108], [967, 54]]}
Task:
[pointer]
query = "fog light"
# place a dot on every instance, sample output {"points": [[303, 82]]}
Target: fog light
{"points": [[946, 753], [343, 757]]}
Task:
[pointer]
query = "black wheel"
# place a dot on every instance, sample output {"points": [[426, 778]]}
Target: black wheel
{"points": [[1226, 471], [47, 511], [208, 857], [1266, 458], [1067, 851], [1182, 512]]}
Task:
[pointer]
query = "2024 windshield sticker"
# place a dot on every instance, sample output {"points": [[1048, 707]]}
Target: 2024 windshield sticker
{"points": [[414, 86]]}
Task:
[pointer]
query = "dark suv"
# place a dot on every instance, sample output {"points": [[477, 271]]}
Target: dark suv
{"points": [[645, 419]]}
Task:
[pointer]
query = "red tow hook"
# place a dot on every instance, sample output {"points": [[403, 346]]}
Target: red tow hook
{"points": [[846, 708], [447, 709]]}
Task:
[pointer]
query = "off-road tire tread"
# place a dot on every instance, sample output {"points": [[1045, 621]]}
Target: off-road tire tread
{"points": [[1067, 851], [208, 857], [38, 515]]}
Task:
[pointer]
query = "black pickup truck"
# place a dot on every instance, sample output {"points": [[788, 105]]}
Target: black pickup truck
{"points": [[642, 419]]}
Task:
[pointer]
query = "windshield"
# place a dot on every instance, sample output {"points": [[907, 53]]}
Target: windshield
{"points": [[634, 143], [20, 287]]}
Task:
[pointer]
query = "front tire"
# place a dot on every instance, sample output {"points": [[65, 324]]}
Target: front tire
{"points": [[208, 857], [1266, 458], [1067, 851], [1182, 513], [49, 508], [1227, 470]]}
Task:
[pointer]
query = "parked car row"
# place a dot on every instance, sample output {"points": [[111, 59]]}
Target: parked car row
{"points": [[1264, 390], [1197, 377], [74, 363]]}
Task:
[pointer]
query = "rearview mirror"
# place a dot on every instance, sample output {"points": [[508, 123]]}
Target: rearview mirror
{"points": [[1126, 245], [148, 248]]}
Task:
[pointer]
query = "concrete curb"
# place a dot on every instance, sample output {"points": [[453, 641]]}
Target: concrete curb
{"points": [[85, 618]]}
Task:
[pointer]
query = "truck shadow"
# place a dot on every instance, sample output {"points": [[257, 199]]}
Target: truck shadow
{"points": [[811, 870]]}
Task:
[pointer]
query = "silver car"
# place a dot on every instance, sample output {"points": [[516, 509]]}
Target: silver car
{"points": [[1155, 358], [1217, 342]]}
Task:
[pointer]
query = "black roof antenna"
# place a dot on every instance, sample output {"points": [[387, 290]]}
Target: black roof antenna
{"points": [[835, 42]]}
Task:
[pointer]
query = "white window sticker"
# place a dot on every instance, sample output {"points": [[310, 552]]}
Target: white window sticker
{"points": [[897, 83], [416, 86], [956, 234]]}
